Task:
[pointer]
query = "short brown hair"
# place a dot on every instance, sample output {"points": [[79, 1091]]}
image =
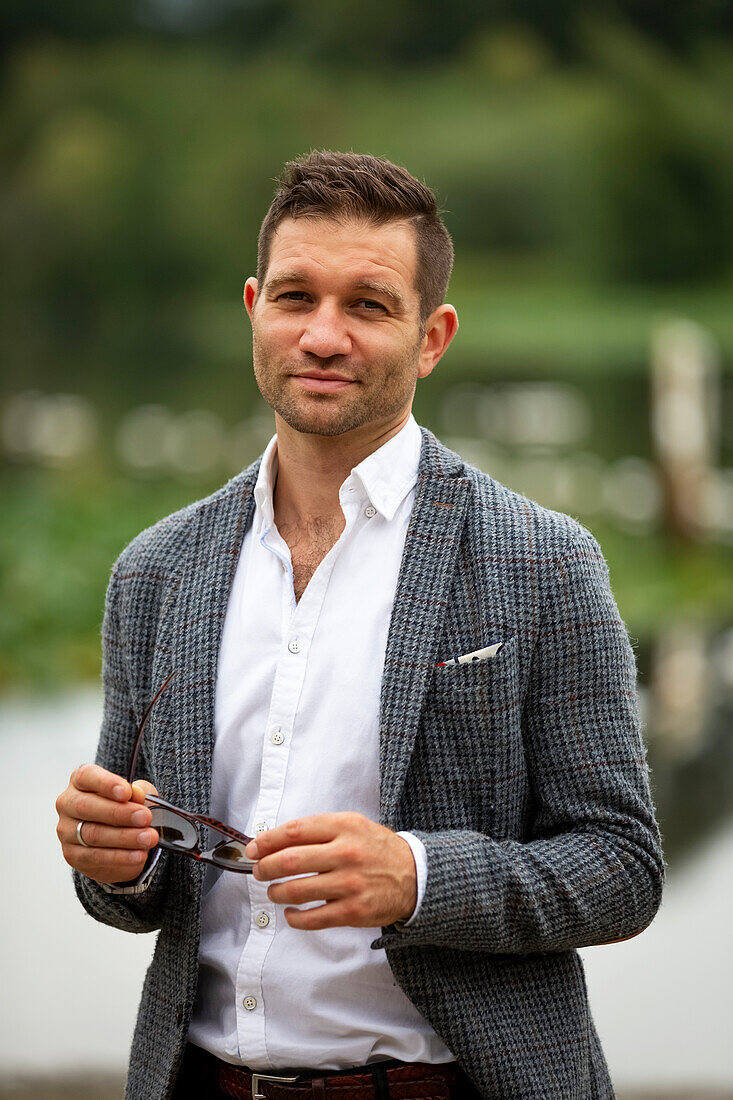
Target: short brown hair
{"points": [[356, 185]]}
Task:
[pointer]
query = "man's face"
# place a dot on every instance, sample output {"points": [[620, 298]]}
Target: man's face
{"points": [[335, 325]]}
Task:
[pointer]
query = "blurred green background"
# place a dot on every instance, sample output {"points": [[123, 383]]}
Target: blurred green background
{"points": [[583, 156]]}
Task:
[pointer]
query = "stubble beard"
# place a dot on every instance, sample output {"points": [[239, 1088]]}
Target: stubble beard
{"points": [[328, 414]]}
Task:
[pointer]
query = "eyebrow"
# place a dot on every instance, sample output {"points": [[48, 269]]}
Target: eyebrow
{"points": [[377, 286]]}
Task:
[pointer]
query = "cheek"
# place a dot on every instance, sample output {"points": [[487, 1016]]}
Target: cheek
{"points": [[393, 357], [270, 338], [269, 358]]}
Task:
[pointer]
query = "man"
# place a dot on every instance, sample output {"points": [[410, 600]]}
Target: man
{"points": [[488, 817]]}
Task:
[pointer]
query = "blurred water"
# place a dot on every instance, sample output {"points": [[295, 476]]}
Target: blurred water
{"points": [[661, 1002], [70, 984]]}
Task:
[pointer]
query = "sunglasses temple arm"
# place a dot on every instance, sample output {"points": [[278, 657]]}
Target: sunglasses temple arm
{"points": [[139, 735], [225, 830]]}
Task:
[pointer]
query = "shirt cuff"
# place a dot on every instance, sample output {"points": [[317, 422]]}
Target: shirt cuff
{"points": [[137, 885], [421, 866]]}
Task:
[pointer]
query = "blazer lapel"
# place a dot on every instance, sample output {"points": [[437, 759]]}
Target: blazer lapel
{"points": [[426, 571], [188, 642]]}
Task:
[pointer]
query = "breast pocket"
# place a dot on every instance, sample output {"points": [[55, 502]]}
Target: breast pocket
{"points": [[477, 675], [471, 732]]}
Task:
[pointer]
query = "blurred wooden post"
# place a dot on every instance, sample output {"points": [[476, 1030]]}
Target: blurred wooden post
{"points": [[685, 423], [679, 685]]}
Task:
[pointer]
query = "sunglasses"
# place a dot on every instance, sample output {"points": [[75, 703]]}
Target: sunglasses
{"points": [[178, 830]]}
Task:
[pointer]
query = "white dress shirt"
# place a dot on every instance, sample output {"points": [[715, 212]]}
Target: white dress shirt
{"points": [[297, 733]]}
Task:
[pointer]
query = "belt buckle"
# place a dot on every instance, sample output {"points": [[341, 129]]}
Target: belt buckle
{"points": [[257, 1077]]}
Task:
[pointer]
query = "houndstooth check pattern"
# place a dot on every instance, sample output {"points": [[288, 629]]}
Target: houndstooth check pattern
{"points": [[525, 776]]}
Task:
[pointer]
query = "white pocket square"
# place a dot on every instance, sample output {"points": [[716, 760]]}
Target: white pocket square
{"points": [[477, 655]]}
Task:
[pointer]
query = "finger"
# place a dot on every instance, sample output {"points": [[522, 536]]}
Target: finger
{"points": [[141, 788], [296, 861], [104, 836], [331, 915], [315, 829], [90, 777], [105, 864], [84, 806], [298, 891]]}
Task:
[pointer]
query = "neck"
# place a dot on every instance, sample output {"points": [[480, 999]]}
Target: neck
{"points": [[312, 468]]}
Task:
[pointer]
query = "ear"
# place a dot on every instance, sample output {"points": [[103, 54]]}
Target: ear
{"points": [[250, 295], [440, 328]]}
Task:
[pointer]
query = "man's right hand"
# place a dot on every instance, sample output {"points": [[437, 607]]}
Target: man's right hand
{"points": [[115, 824]]}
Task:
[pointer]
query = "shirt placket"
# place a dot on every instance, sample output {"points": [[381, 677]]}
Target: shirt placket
{"points": [[298, 624]]}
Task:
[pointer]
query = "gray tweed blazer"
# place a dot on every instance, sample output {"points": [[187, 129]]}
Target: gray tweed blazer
{"points": [[525, 775]]}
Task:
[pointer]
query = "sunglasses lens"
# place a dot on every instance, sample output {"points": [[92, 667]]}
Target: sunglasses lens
{"points": [[230, 853], [174, 831]]}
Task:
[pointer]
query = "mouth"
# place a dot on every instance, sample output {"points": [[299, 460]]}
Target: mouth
{"points": [[323, 383]]}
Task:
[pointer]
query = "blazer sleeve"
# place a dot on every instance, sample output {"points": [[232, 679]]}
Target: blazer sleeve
{"points": [[141, 912], [592, 869]]}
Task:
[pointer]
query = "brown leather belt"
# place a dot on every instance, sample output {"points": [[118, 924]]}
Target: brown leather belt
{"points": [[394, 1081]]}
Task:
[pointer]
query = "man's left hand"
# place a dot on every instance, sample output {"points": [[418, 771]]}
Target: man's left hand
{"points": [[363, 871]]}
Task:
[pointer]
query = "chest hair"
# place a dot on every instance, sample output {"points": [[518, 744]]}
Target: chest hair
{"points": [[308, 544]]}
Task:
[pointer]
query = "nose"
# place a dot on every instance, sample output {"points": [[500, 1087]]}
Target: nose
{"points": [[325, 332]]}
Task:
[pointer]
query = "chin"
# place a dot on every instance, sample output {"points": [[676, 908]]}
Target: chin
{"points": [[317, 425]]}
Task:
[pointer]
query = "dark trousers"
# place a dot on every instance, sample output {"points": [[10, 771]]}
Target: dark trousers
{"points": [[194, 1079]]}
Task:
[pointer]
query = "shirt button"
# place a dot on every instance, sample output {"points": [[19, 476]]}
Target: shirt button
{"points": [[261, 827], [250, 1003], [263, 920], [277, 738], [370, 511], [294, 646]]}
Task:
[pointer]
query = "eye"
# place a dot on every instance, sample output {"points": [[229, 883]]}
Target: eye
{"points": [[370, 306], [292, 296]]}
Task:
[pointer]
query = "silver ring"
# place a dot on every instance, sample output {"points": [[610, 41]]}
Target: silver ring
{"points": [[79, 837]]}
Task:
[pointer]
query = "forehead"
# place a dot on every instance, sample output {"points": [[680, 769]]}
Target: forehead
{"points": [[349, 249]]}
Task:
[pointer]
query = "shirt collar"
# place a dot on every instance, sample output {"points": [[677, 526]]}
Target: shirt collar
{"points": [[264, 511], [385, 476], [388, 474]]}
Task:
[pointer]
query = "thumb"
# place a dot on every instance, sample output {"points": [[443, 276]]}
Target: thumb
{"points": [[140, 789]]}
